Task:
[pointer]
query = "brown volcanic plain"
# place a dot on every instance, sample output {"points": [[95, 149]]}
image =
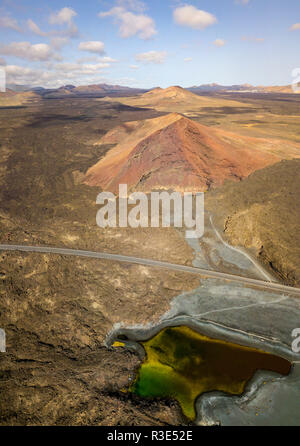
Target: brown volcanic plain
{"points": [[174, 152], [57, 311]]}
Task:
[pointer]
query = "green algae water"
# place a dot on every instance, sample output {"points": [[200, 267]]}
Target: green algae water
{"points": [[182, 364]]}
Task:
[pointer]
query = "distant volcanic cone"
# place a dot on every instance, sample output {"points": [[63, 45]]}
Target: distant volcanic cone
{"points": [[174, 152]]}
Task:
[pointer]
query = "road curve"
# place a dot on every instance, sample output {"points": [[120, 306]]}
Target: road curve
{"points": [[153, 263]]}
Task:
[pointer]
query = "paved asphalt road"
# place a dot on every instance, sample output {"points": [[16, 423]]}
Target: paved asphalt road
{"points": [[153, 263]]}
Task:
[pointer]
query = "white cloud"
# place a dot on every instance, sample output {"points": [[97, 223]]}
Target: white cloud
{"points": [[108, 59], [94, 46], [125, 81], [25, 50], [55, 75], [133, 5], [17, 70], [134, 67], [79, 68], [72, 31], [23, 75], [9, 22], [156, 57], [97, 59], [242, 2], [253, 39], [2, 62], [219, 42], [62, 36], [131, 24], [195, 18], [64, 16], [295, 27], [187, 59], [59, 42], [33, 27]]}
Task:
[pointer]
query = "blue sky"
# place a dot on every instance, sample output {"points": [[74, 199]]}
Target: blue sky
{"points": [[149, 43]]}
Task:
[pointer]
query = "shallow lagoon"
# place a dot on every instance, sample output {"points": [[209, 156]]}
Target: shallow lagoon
{"points": [[182, 364]]}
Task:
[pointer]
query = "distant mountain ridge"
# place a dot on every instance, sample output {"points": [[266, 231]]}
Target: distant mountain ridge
{"points": [[246, 88], [101, 90], [68, 90]]}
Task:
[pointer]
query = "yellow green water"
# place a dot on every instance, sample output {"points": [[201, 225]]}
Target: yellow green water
{"points": [[182, 364]]}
